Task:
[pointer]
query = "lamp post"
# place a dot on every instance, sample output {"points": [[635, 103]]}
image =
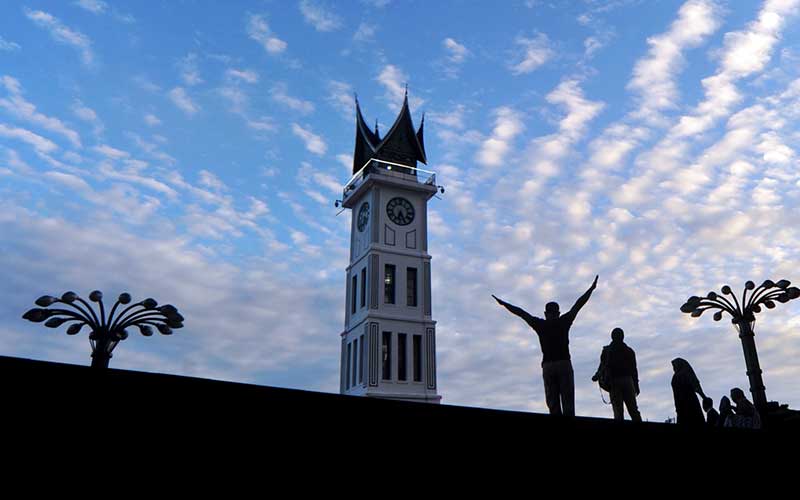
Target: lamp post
{"points": [[106, 330], [743, 318]]}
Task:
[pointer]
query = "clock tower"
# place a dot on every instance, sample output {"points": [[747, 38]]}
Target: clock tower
{"points": [[389, 337]]}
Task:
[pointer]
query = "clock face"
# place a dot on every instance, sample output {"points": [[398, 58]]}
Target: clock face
{"points": [[400, 211], [363, 217]]}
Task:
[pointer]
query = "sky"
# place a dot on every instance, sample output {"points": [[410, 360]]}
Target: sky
{"points": [[192, 151]]}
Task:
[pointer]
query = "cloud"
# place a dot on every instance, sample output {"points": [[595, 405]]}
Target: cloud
{"points": [[454, 119], [533, 53], [106, 171], [394, 81], [109, 152], [280, 95], [181, 99], [340, 96], [593, 44], [456, 53], [93, 6], [507, 125], [237, 98], [243, 75], [87, 114], [210, 180], [208, 292], [365, 32], [63, 34], [152, 120], [455, 56], [262, 124], [19, 107], [566, 193], [38, 142], [7, 46], [654, 75], [319, 17], [258, 30], [579, 109], [190, 73], [744, 53], [146, 84], [314, 143], [152, 149]]}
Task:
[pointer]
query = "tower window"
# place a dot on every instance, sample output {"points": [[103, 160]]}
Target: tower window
{"points": [[364, 287], [388, 284], [361, 365], [386, 351], [411, 286], [417, 358], [354, 295], [401, 356], [355, 360], [347, 372]]}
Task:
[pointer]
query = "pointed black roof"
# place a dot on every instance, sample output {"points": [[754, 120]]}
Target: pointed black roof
{"points": [[365, 141], [401, 144]]}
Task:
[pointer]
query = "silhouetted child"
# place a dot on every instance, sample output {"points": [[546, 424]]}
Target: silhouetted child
{"points": [[712, 416]]}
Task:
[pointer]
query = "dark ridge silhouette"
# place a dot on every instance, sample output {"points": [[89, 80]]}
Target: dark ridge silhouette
{"points": [[163, 421], [553, 333], [619, 376]]}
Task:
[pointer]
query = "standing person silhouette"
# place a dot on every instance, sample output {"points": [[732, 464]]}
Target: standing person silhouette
{"points": [[685, 387], [553, 332], [620, 362]]}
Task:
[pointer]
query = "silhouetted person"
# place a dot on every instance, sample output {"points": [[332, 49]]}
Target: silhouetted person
{"points": [[725, 411], [553, 332], [712, 416], [685, 387], [619, 361], [745, 414]]}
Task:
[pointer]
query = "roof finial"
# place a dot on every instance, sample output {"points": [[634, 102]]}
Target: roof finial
{"points": [[376, 126], [406, 89]]}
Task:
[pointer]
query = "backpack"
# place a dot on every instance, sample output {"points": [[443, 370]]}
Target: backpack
{"points": [[603, 374]]}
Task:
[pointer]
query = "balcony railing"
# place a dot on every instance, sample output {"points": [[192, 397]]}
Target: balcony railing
{"points": [[390, 169]]}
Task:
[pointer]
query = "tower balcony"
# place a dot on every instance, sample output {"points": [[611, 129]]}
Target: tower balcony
{"points": [[386, 171]]}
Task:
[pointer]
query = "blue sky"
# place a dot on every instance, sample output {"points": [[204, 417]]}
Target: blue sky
{"points": [[192, 152]]}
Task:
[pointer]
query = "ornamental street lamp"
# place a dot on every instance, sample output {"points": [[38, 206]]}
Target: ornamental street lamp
{"points": [[107, 331], [743, 318]]}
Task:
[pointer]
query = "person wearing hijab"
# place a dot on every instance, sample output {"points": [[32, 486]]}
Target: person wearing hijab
{"points": [[725, 412], [685, 388], [744, 413]]}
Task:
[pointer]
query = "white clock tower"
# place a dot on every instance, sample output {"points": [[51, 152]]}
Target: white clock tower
{"points": [[389, 338]]}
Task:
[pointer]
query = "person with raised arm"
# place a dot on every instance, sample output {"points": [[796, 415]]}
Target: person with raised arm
{"points": [[553, 333]]}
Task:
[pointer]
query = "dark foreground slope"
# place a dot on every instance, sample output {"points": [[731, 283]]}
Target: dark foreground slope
{"points": [[47, 405]]}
